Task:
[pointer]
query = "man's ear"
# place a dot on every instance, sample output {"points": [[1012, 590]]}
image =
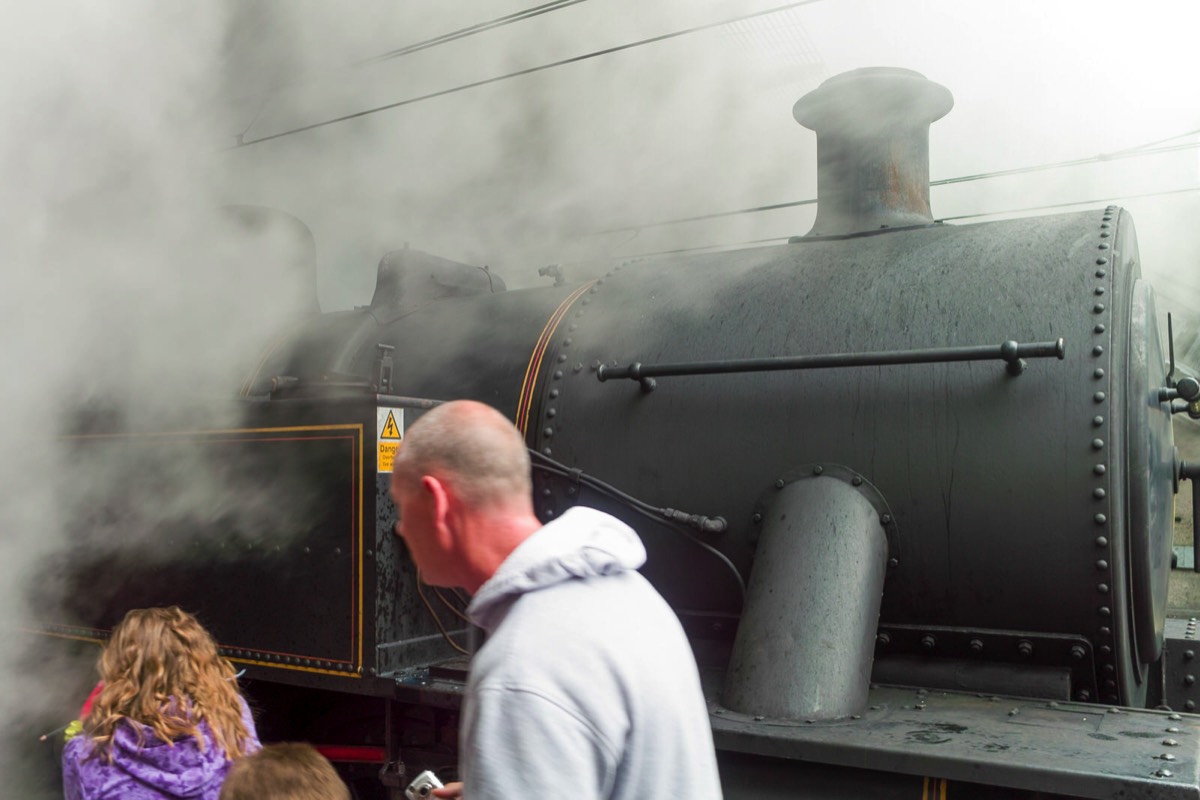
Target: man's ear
{"points": [[440, 496]]}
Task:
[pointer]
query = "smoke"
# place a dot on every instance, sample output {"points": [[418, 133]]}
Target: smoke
{"points": [[125, 294]]}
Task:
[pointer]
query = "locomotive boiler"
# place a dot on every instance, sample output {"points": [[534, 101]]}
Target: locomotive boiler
{"points": [[908, 485]]}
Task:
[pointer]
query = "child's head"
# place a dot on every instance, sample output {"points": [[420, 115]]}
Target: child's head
{"points": [[161, 668], [284, 772]]}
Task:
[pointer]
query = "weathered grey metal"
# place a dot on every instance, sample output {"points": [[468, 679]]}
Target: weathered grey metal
{"points": [[872, 148], [806, 640], [1042, 747]]}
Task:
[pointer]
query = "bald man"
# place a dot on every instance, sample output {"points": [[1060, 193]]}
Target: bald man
{"points": [[586, 686]]}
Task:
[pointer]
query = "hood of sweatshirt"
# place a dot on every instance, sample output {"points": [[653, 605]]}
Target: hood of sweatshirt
{"points": [[178, 769], [582, 543]]}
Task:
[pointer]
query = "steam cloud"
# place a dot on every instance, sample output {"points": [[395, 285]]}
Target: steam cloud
{"points": [[123, 290]]}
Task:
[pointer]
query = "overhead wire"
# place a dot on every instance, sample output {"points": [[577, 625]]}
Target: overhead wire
{"points": [[1133, 152], [445, 38], [471, 30], [518, 73], [1025, 210]]}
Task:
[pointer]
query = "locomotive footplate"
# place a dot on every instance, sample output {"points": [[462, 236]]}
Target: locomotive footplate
{"points": [[1074, 749]]}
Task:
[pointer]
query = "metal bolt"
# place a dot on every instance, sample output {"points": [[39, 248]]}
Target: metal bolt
{"points": [[1172, 730], [1174, 717], [976, 646], [818, 469], [553, 393], [1167, 756], [1097, 444], [779, 483], [759, 717], [856, 480], [1098, 350], [1104, 612], [1162, 773], [1105, 650], [1099, 493], [1100, 519], [1099, 328], [1012, 712], [562, 357], [1105, 631], [1098, 373], [1170, 742], [1102, 541], [1098, 308], [928, 641], [1102, 588], [577, 368], [1101, 260], [893, 562], [1083, 695], [1188, 655], [1077, 652], [1025, 647], [1099, 469], [757, 517], [883, 639], [886, 519], [1102, 564], [1188, 680], [1099, 397]]}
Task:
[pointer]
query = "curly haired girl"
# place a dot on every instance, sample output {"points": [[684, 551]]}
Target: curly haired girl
{"points": [[167, 720]]}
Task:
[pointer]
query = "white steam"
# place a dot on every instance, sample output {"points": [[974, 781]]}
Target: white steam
{"points": [[121, 290]]}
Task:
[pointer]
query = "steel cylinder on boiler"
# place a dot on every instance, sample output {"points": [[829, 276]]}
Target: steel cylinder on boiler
{"points": [[805, 644]]}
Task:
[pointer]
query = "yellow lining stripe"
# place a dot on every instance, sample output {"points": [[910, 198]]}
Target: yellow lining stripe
{"points": [[525, 401]]}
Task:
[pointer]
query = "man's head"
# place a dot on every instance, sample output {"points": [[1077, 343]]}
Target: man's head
{"points": [[284, 772], [462, 488]]}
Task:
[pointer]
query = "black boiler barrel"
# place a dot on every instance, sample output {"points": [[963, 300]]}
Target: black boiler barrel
{"points": [[1032, 504]]}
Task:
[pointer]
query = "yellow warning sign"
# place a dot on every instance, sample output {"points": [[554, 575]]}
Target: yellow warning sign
{"points": [[390, 430], [389, 433], [387, 456]]}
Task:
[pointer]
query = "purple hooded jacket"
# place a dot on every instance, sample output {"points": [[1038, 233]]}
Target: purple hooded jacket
{"points": [[154, 771]]}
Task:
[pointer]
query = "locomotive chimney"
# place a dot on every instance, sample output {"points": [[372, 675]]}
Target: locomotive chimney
{"points": [[872, 129]]}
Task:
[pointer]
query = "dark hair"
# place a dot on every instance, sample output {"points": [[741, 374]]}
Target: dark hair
{"points": [[292, 771]]}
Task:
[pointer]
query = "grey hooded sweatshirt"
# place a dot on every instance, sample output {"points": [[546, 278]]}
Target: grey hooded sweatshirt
{"points": [[586, 686]]}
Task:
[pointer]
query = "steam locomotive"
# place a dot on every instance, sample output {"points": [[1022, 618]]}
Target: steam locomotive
{"points": [[908, 486]]}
